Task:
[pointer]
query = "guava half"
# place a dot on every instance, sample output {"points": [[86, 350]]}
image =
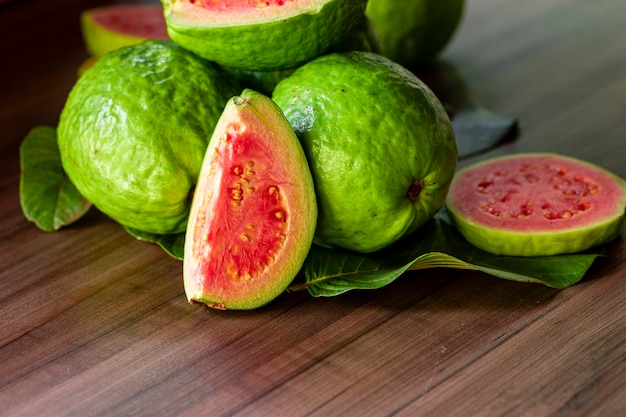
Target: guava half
{"points": [[253, 214], [537, 204], [107, 28], [261, 35]]}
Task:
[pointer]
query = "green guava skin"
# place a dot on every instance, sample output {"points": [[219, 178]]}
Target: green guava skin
{"points": [[215, 256], [363, 38], [379, 143], [261, 81], [272, 44], [134, 129], [415, 32], [538, 242]]}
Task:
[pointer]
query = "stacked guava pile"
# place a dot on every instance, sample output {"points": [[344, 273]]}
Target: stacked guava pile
{"points": [[262, 127]]}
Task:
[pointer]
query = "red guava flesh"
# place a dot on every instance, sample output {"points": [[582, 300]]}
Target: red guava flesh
{"points": [[234, 5], [537, 204], [253, 212], [220, 13], [139, 20]]}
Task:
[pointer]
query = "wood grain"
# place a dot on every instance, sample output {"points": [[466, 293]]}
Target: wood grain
{"points": [[95, 323]]}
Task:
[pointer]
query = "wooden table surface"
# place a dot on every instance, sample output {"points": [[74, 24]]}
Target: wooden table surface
{"points": [[95, 323]]}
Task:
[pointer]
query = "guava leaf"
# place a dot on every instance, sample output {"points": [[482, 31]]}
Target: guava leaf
{"points": [[173, 245], [330, 272], [47, 196], [478, 129]]}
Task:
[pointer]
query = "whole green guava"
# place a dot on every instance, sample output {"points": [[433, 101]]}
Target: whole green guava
{"points": [[134, 129], [414, 32], [379, 143]]}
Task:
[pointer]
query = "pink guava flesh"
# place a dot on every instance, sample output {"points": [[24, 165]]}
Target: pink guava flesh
{"points": [[227, 10], [143, 21], [234, 5], [254, 211], [238, 4], [536, 193], [249, 218]]}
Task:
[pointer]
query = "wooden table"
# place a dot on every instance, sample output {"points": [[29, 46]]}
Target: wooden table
{"points": [[95, 323]]}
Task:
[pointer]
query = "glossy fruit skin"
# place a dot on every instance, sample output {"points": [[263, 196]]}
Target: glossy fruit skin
{"points": [[267, 41], [107, 28], [415, 32], [379, 143], [537, 204], [134, 129], [254, 209], [362, 38]]}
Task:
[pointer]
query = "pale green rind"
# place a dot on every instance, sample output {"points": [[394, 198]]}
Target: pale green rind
{"points": [[369, 128], [501, 242], [134, 128], [512, 243], [268, 45], [302, 211]]}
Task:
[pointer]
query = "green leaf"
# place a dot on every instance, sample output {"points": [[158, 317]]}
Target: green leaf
{"points": [[478, 129], [47, 196], [173, 245], [330, 272]]}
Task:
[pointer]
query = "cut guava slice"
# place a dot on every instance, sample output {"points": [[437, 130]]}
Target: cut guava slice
{"points": [[254, 211], [107, 28], [537, 204], [261, 35]]}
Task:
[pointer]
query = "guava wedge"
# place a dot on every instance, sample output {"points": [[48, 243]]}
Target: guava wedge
{"points": [[253, 212], [261, 35], [107, 28], [537, 204]]}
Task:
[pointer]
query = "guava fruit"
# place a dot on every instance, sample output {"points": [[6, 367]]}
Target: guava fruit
{"points": [[536, 204], [107, 28], [414, 32], [261, 35], [362, 38], [253, 213], [134, 128], [379, 143]]}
